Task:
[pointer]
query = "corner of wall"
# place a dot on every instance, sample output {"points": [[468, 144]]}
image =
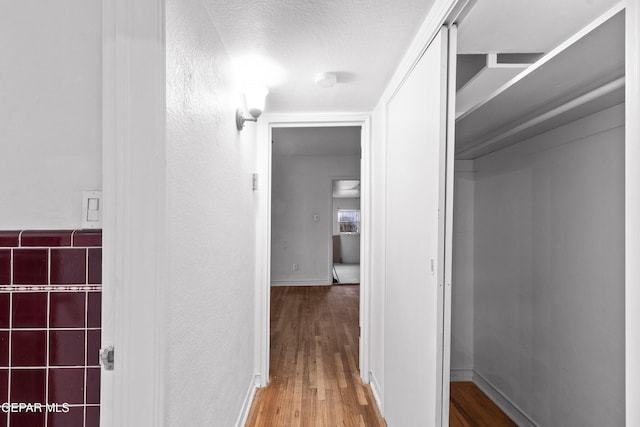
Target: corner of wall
{"points": [[248, 401]]}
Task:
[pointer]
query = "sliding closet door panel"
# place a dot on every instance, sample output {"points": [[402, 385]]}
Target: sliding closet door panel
{"points": [[415, 181]]}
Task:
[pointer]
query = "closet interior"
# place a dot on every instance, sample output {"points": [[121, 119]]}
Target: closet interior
{"points": [[538, 286]]}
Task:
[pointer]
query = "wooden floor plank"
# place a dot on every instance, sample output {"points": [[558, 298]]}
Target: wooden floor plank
{"points": [[314, 373], [469, 404], [314, 376]]}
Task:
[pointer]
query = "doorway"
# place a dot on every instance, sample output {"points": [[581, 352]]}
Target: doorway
{"points": [[303, 222], [268, 126], [345, 232], [539, 187]]}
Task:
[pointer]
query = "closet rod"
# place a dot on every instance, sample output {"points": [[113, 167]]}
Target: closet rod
{"points": [[577, 102]]}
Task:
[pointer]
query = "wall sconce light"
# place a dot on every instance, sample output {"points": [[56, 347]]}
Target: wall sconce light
{"points": [[255, 98]]}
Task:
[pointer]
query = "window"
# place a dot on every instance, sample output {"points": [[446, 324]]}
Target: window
{"points": [[349, 221]]}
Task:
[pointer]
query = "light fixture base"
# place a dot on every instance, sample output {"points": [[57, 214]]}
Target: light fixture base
{"points": [[240, 119]]}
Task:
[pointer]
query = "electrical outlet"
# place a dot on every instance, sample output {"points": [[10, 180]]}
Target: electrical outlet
{"points": [[296, 267]]}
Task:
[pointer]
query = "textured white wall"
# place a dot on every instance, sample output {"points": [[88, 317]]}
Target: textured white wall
{"points": [[50, 111], [210, 228], [301, 188], [549, 272], [462, 287]]}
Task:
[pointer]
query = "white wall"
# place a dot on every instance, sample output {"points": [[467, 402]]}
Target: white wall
{"points": [[378, 251], [349, 243], [549, 272], [462, 286], [210, 228], [50, 111], [302, 188], [378, 219]]}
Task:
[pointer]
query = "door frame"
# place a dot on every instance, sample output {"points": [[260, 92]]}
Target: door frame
{"points": [[632, 211], [263, 247], [134, 186], [332, 179]]}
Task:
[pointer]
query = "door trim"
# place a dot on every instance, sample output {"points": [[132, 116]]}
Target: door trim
{"points": [[133, 143], [332, 179], [263, 247], [447, 262], [632, 212]]}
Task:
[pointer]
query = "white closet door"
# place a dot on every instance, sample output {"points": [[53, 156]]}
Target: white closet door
{"points": [[416, 172]]}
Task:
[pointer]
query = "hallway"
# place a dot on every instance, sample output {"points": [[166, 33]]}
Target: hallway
{"points": [[314, 377]]}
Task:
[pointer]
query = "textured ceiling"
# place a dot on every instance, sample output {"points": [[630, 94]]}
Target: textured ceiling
{"points": [[319, 141], [362, 40]]}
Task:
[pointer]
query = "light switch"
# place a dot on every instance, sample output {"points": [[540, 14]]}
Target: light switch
{"points": [[94, 203], [92, 209]]}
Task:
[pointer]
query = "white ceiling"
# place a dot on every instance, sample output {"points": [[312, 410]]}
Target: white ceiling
{"points": [[346, 189], [525, 26], [362, 40], [319, 141]]}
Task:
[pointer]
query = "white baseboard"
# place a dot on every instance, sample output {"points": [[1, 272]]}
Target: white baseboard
{"points": [[302, 283], [375, 389], [248, 401], [511, 409], [457, 375]]}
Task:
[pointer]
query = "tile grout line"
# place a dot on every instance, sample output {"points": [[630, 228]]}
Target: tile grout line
{"points": [[45, 288], [52, 329], [11, 267], [10, 329], [46, 390], [26, 368], [86, 349], [86, 269], [10, 355]]}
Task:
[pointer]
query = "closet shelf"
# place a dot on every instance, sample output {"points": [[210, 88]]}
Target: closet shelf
{"points": [[582, 76]]}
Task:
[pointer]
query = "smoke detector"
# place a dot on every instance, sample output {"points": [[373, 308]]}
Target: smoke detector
{"points": [[327, 79]]}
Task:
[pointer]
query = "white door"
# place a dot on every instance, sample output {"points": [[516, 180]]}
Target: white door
{"points": [[414, 311]]}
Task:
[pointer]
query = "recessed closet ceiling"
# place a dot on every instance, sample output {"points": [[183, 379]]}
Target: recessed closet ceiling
{"points": [[362, 40], [514, 27], [508, 26]]}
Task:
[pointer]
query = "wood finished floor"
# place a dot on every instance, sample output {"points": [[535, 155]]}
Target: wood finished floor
{"points": [[470, 407], [314, 362], [314, 368]]}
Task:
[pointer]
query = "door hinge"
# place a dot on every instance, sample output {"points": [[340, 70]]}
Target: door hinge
{"points": [[106, 358]]}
